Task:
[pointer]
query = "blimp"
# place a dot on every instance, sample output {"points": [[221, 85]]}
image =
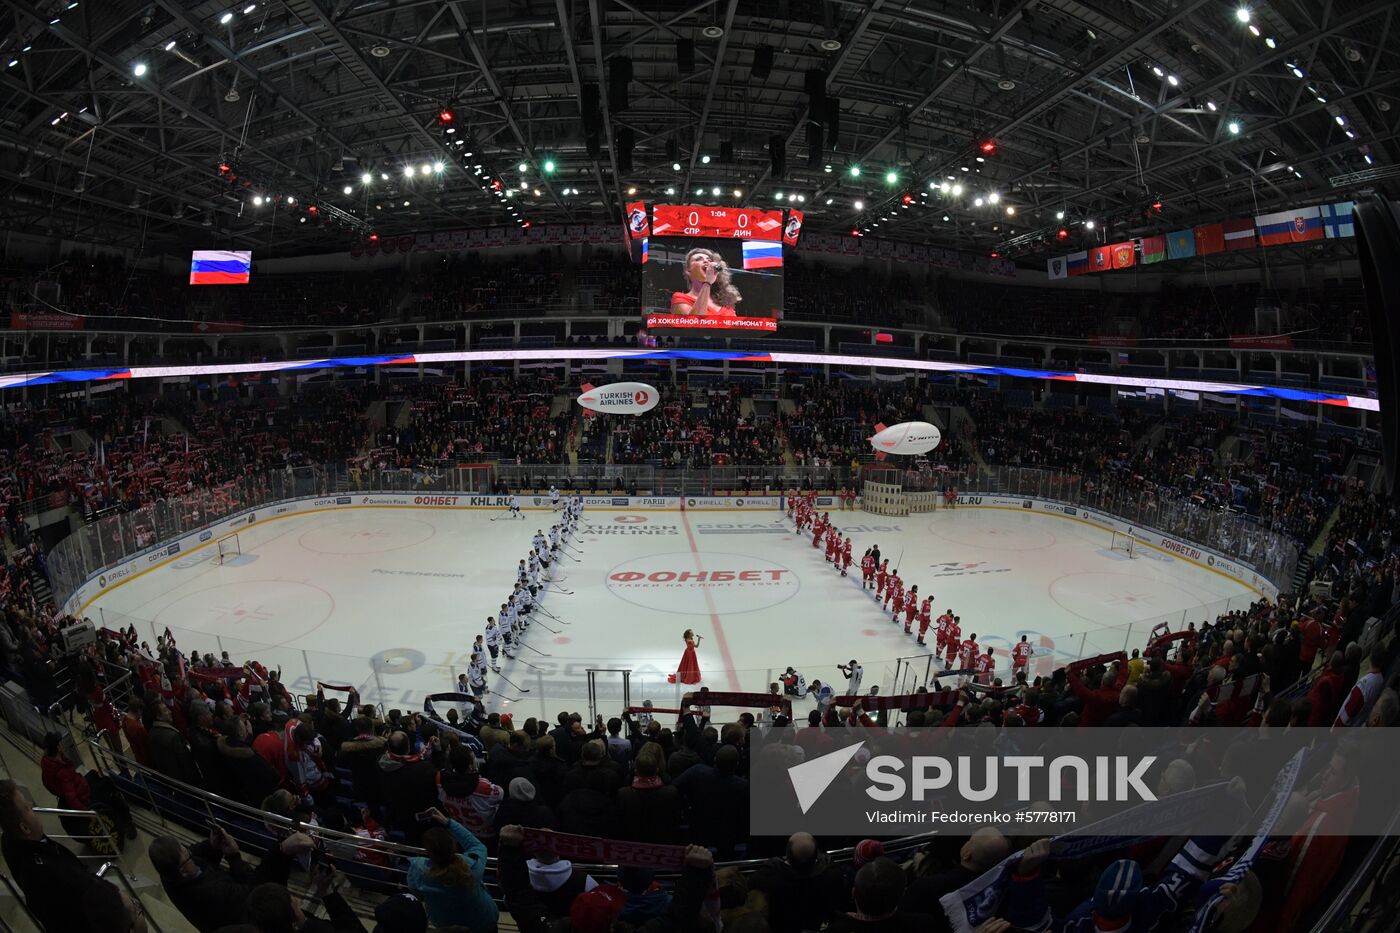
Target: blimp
{"points": [[907, 437], [619, 398]]}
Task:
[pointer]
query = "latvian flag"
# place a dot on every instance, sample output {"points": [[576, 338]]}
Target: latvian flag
{"points": [[762, 254], [1239, 234], [220, 267], [1296, 226]]}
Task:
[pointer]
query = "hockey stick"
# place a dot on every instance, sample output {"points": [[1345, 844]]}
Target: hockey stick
{"points": [[543, 654], [513, 684], [527, 664], [497, 693], [552, 631], [560, 590], [555, 618], [502, 515]]}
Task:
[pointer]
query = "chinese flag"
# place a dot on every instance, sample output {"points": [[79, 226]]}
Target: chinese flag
{"points": [[1123, 255], [1100, 258], [1210, 238]]}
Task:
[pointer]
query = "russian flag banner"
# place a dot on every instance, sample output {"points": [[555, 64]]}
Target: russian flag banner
{"points": [[762, 254], [220, 267], [1295, 226]]}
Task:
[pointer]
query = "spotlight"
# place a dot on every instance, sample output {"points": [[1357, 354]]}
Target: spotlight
{"points": [[778, 195], [699, 190], [946, 218], [1242, 14], [704, 160], [249, 8], [1234, 128], [1341, 120], [988, 147], [675, 166], [855, 171], [347, 189], [631, 190], [1269, 41], [714, 192], [425, 168], [408, 171], [523, 167], [1088, 225], [1210, 105], [891, 177], [170, 45], [993, 198], [829, 200], [1156, 70], [1173, 80], [1062, 234], [437, 167], [670, 190], [366, 178], [1254, 30], [291, 200], [827, 168], [1010, 211], [225, 19], [957, 191], [383, 176], [738, 193], [802, 199], [445, 115], [977, 202], [257, 200], [548, 166], [139, 69], [859, 205], [1059, 215]]}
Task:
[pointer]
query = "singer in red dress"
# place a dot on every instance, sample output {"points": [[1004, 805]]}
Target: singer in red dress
{"points": [[689, 671], [709, 289]]}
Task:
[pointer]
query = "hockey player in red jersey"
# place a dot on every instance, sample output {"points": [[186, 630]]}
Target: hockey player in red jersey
{"points": [[925, 617], [968, 651], [882, 579], [954, 640], [911, 608], [891, 585], [817, 530], [985, 664], [1021, 656], [867, 570], [845, 555]]}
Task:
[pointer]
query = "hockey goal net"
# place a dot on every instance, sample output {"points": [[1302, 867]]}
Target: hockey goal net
{"points": [[227, 548], [1125, 543]]}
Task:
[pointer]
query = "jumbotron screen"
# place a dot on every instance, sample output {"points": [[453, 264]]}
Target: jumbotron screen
{"points": [[711, 269]]}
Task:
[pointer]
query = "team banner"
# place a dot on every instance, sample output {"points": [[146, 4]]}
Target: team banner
{"points": [[590, 850], [912, 781]]}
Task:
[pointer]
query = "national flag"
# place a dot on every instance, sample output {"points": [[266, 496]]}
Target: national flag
{"points": [[645, 241], [1100, 259], [1122, 358], [1124, 254], [1077, 263], [1210, 238], [1239, 233], [1294, 226], [1181, 244], [1154, 248], [1056, 268], [762, 254], [1336, 219], [220, 267]]}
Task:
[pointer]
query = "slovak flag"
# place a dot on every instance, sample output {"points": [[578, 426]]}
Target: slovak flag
{"points": [[1295, 226], [220, 267], [762, 254]]}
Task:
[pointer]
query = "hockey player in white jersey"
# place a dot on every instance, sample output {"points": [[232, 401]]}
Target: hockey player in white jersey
{"points": [[514, 503], [493, 641], [553, 496], [538, 540]]}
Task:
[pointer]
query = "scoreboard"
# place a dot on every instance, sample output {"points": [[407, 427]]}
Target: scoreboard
{"points": [[730, 223]]}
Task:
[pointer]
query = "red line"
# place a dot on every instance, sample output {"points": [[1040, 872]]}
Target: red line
{"points": [[710, 604]]}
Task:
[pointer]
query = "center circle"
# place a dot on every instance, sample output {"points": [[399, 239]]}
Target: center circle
{"points": [[263, 612], [703, 582]]}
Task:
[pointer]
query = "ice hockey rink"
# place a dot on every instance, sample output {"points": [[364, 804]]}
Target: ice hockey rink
{"points": [[390, 599]]}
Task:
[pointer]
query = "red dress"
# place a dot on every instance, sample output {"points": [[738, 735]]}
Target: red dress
{"points": [[689, 671], [712, 311]]}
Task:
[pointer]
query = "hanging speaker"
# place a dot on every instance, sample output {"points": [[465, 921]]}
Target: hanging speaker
{"points": [[814, 144], [777, 156], [832, 121], [619, 76], [1378, 247], [815, 82], [726, 152], [623, 138], [762, 63], [685, 56], [588, 107]]}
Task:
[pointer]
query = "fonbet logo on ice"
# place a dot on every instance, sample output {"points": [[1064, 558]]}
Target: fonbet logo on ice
{"points": [[702, 583]]}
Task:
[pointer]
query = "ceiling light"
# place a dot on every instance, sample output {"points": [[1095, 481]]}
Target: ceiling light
{"points": [[1156, 70], [827, 168], [945, 218], [778, 195], [1350, 134], [257, 200], [855, 171], [792, 197], [425, 168], [993, 198], [226, 19], [405, 204], [170, 45], [1254, 30], [524, 185], [705, 160], [522, 167], [383, 176], [139, 69], [670, 190], [1173, 80], [1242, 14], [981, 159], [891, 177], [1010, 211], [802, 199], [1059, 215], [536, 192], [829, 200], [1210, 105], [714, 192], [1234, 128], [738, 193], [631, 190], [1341, 120], [1297, 72], [366, 178], [408, 171], [13, 63], [957, 191], [249, 8], [859, 205], [699, 190], [977, 202], [548, 165], [1270, 42], [347, 189], [1088, 225], [712, 32], [964, 168], [675, 166]]}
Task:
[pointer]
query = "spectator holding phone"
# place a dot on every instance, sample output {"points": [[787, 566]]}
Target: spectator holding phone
{"points": [[450, 882]]}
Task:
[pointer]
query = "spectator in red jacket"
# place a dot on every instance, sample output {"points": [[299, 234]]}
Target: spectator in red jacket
{"points": [[60, 777], [1098, 692], [1327, 692]]}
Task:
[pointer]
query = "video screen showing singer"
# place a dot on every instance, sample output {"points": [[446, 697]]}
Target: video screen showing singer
{"points": [[709, 287]]}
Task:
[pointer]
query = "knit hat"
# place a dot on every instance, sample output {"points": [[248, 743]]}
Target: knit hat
{"points": [[867, 850], [522, 789], [401, 913], [1117, 892], [507, 722], [594, 911]]}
